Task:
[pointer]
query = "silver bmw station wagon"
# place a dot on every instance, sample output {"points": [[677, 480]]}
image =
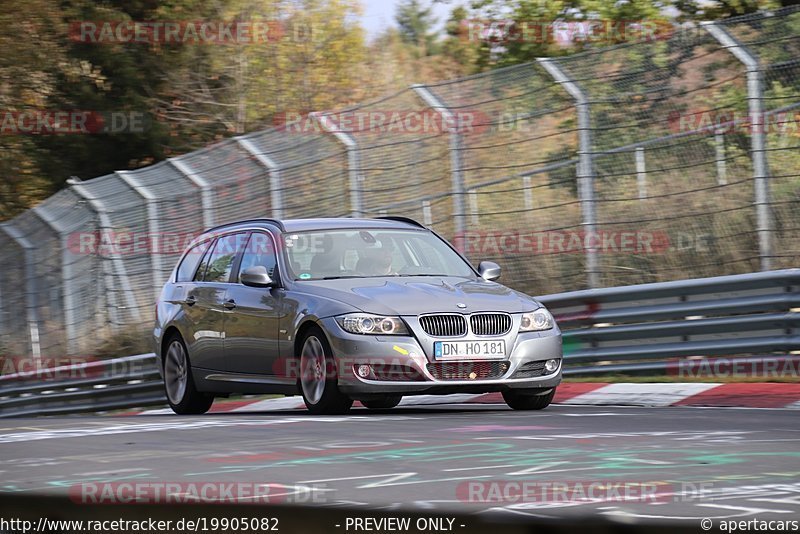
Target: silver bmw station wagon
{"points": [[338, 310]]}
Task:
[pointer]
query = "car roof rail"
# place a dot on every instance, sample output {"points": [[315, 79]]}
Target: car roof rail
{"points": [[407, 220], [276, 222]]}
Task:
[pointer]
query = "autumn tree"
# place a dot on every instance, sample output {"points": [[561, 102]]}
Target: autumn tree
{"points": [[416, 22], [310, 64]]}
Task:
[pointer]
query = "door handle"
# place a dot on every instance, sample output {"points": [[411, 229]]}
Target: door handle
{"points": [[229, 304], [190, 300]]}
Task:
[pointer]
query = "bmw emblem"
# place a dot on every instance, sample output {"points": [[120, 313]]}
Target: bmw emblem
{"points": [[461, 305]]}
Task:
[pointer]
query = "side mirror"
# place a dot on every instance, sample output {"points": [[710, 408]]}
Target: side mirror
{"points": [[256, 276], [489, 270]]}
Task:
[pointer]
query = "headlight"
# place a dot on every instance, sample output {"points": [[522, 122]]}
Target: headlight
{"points": [[536, 320], [364, 323]]}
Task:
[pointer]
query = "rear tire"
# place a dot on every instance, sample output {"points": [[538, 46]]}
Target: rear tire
{"points": [[182, 395], [318, 380], [519, 400], [382, 403]]}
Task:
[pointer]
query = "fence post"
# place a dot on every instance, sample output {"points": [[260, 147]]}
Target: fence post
{"points": [[274, 170], [153, 228], [473, 207], [67, 277], [456, 161], [116, 261], [427, 219], [527, 194], [206, 192], [757, 140], [719, 151], [641, 172], [31, 288], [585, 165], [353, 160]]}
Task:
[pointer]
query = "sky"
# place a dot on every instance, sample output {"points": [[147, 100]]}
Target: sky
{"points": [[379, 14]]}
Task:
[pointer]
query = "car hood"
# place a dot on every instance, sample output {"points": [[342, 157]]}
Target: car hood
{"points": [[416, 295]]}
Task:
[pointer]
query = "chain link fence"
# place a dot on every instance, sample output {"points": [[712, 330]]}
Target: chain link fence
{"points": [[643, 162]]}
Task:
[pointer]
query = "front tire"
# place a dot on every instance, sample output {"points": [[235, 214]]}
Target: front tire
{"points": [[319, 382], [385, 402], [522, 400], [182, 395]]}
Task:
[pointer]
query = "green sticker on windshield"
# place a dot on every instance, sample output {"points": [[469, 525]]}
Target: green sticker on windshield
{"points": [[305, 276]]}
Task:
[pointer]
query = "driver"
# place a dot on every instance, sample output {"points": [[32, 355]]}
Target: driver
{"points": [[377, 264]]}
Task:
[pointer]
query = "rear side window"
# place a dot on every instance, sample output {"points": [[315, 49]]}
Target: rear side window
{"points": [[190, 262], [201, 271], [220, 262]]}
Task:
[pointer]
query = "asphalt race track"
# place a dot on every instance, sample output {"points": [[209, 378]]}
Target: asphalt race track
{"points": [[703, 462]]}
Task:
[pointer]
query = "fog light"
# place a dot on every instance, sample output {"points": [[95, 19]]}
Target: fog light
{"points": [[363, 370], [551, 365]]}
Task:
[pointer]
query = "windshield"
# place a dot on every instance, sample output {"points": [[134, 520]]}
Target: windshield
{"points": [[366, 253]]}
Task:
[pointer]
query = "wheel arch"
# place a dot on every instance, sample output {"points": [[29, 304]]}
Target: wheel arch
{"points": [[302, 329], [307, 324]]}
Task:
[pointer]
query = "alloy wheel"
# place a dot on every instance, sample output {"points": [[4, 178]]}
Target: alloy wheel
{"points": [[312, 369], [175, 372]]}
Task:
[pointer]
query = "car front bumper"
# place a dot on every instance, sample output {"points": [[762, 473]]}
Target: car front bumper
{"points": [[351, 350]]}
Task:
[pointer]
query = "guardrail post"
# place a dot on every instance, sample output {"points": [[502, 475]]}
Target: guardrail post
{"points": [[585, 165], [206, 192], [31, 288], [67, 277], [456, 161], [116, 261], [757, 137], [353, 160], [153, 228], [274, 170]]}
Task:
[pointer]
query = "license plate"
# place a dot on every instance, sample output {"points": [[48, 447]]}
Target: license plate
{"points": [[468, 350]]}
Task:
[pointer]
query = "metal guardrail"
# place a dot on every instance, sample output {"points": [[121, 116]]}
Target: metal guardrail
{"points": [[749, 314], [120, 383], [640, 329]]}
